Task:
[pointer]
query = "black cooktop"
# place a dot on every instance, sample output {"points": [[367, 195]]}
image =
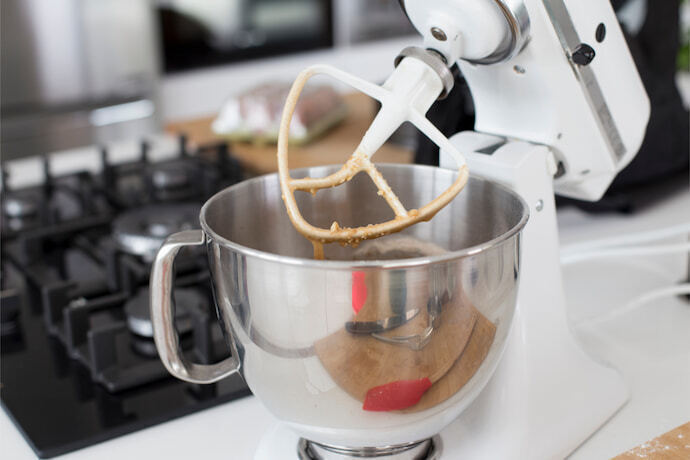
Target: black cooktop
{"points": [[78, 363]]}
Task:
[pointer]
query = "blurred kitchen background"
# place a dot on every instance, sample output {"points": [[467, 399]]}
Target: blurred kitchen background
{"points": [[79, 72], [91, 72]]}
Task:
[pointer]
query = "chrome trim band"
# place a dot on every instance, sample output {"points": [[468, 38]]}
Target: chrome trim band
{"points": [[432, 59], [570, 40], [517, 18], [427, 449]]}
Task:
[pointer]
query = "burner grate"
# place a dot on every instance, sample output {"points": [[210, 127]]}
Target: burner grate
{"points": [[74, 372]]}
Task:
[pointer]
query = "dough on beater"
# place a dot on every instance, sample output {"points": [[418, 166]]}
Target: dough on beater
{"points": [[359, 161]]}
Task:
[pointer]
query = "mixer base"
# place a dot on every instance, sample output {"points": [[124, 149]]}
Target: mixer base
{"points": [[428, 449], [281, 442]]}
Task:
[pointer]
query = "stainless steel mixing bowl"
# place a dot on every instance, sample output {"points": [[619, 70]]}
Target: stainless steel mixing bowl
{"points": [[380, 345]]}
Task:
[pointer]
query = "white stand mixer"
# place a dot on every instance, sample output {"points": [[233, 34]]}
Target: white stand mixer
{"points": [[559, 106]]}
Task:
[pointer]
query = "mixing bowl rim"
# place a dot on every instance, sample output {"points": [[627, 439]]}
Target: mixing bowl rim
{"points": [[360, 264]]}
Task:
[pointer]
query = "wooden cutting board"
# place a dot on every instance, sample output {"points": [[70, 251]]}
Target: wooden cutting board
{"points": [[674, 445], [334, 147]]}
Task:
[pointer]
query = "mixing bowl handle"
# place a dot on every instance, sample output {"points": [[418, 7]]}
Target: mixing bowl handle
{"points": [[162, 315]]}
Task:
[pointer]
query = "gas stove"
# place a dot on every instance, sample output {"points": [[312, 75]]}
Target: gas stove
{"points": [[79, 365]]}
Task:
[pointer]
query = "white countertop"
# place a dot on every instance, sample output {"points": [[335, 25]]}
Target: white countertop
{"points": [[650, 346]]}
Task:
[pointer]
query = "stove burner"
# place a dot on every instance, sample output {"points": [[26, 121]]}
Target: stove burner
{"points": [[19, 207], [142, 231], [139, 315], [169, 177], [11, 295], [145, 347], [9, 311], [71, 300], [427, 449]]}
